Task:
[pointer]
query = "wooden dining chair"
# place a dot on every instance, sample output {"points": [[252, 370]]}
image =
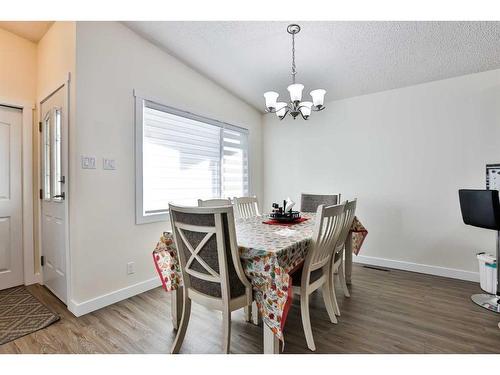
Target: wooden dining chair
{"points": [[315, 271], [210, 264], [337, 267], [217, 202], [246, 207], [310, 202]]}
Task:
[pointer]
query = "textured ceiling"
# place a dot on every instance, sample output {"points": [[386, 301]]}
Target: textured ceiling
{"points": [[345, 58], [31, 30]]}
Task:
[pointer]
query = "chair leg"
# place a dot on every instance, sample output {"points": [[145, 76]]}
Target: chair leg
{"points": [[181, 332], [226, 326], [255, 314], [327, 298], [343, 282], [306, 320], [333, 294], [248, 313]]}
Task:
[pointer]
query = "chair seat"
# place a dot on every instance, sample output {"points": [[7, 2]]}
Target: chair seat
{"points": [[297, 276]]}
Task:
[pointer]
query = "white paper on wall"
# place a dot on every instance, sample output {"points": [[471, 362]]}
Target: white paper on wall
{"points": [[493, 177]]}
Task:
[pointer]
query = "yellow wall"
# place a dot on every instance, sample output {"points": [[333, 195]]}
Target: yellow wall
{"points": [[55, 57], [17, 69]]}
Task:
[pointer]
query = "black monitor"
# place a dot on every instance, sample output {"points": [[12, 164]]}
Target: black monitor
{"points": [[480, 208]]}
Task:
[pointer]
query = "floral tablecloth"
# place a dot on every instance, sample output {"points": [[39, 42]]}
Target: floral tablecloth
{"points": [[268, 254]]}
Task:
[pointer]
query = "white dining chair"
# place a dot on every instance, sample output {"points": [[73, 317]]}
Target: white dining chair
{"points": [[315, 271], [246, 207], [217, 202], [210, 264], [337, 267]]}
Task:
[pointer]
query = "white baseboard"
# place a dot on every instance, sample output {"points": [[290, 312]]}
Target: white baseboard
{"points": [[416, 267], [82, 308], [33, 279]]}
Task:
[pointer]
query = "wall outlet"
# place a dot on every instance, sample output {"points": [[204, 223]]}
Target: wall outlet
{"points": [[109, 164], [130, 268], [88, 162]]}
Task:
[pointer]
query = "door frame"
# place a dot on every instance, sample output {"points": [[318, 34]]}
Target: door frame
{"points": [[28, 249], [65, 86]]}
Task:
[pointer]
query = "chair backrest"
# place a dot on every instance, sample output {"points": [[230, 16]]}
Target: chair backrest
{"points": [[480, 208], [349, 212], [310, 202], [205, 238], [246, 207], [214, 202], [329, 221]]}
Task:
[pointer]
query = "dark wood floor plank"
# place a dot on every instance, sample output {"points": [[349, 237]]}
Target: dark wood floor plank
{"points": [[389, 312]]}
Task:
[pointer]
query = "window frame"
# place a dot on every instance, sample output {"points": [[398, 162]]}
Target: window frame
{"points": [[139, 99]]}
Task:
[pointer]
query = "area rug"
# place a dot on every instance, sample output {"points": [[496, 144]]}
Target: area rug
{"points": [[21, 314]]}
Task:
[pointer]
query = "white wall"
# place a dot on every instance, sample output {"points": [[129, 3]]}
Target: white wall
{"points": [[111, 62], [404, 154]]}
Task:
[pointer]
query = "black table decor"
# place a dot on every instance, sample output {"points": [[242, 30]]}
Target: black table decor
{"points": [[282, 215]]}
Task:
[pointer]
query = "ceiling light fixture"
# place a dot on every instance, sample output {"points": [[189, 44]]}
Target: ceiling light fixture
{"points": [[296, 105]]}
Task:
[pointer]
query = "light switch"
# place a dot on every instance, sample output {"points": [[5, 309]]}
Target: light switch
{"points": [[88, 162], [109, 164]]}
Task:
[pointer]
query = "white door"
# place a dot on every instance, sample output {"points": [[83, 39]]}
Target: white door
{"points": [[11, 254], [53, 194]]}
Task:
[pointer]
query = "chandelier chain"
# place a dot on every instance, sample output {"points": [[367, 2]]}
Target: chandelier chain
{"points": [[294, 70]]}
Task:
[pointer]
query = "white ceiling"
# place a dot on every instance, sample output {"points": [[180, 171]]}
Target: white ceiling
{"points": [[345, 58], [31, 30]]}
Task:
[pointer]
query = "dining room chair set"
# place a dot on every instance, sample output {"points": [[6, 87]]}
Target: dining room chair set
{"points": [[211, 268]]}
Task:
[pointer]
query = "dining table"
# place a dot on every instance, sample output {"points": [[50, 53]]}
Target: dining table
{"points": [[269, 254]]}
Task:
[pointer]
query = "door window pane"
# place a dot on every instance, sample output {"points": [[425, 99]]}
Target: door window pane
{"points": [[57, 173], [46, 164]]}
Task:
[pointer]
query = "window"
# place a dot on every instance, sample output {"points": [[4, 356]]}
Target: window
{"points": [[181, 157], [51, 163]]}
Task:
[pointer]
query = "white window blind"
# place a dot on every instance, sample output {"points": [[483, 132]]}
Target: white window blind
{"points": [[186, 158], [234, 163]]}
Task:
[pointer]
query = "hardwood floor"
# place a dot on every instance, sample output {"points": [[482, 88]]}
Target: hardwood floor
{"points": [[389, 312]]}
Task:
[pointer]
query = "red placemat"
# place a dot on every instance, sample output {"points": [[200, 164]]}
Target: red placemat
{"points": [[276, 222]]}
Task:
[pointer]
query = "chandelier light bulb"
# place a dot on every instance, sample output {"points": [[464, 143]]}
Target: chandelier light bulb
{"points": [[318, 97], [305, 109], [295, 91], [271, 98]]}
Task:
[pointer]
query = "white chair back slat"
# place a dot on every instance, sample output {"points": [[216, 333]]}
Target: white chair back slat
{"points": [[217, 202], [349, 213], [328, 227], [246, 207]]}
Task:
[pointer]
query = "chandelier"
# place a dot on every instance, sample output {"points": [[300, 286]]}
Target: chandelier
{"points": [[296, 105]]}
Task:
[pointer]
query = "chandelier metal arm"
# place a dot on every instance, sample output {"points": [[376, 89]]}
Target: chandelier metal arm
{"points": [[274, 110], [282, 117]]}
